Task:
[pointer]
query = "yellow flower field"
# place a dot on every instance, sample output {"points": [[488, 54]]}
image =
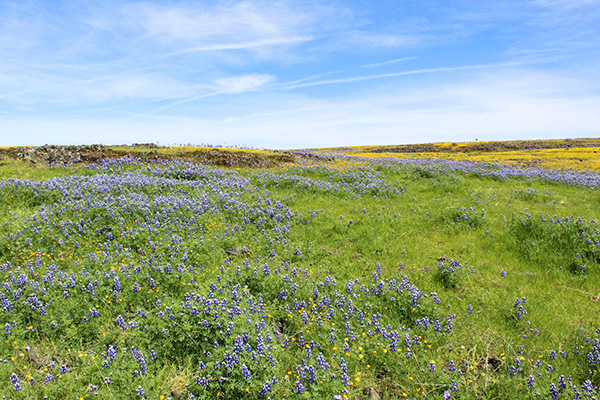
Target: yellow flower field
{"points": [[577, 154]]}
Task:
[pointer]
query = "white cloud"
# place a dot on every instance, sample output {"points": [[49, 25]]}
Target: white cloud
{"points": [[193, 23], [566, 4], [219, 24], [222, 86], [384, 63], [132, 86], [276, 41], [309, 83], [126, 85], [371, 40], [243, 83]]}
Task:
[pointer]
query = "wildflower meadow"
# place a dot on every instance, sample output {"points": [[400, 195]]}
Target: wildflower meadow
{"points": [[324, 277]]}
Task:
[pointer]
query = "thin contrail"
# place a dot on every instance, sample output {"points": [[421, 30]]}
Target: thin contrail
{"points": [[176, 103], [293, 85], [75, 83], [241, 45], [397, 60]]}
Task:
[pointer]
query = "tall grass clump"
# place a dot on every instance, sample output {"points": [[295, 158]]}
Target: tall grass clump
{"points": [[449, 274], [568, 242], [463, 217]]}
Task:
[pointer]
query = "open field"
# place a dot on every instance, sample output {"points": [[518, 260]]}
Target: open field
{"points": [[299, 276], [575, 154]]}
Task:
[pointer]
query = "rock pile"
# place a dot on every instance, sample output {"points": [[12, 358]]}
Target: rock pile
{"points": [[50, 154], [59, 155]]}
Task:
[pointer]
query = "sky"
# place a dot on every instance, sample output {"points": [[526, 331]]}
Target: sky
{"points": [[298, 74]]}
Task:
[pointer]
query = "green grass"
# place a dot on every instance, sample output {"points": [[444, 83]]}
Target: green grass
{"points": [[476, 243], [11, 168]]}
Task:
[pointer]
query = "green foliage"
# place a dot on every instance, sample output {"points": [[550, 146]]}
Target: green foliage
{"points": [[357, 261], [463, 217], [567, 242], [449, 274]]}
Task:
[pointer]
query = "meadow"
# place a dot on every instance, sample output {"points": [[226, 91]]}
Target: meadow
{"points": [[566, 154], [308, 276]]}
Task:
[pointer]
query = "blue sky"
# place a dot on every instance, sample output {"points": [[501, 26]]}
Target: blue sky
{"points": [[296, 74]]}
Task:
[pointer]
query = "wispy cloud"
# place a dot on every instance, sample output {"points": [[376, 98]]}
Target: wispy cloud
{"points": [[203, 22], [268, 42], [394, 61], [221, 25], [178, 102], [222, 86], [154, 86], [243, 83], [567, 4], [293, 85], [384, 40], [69, 83]]}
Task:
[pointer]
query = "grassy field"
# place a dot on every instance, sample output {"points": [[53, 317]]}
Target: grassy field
{"points": [[568, 154], [385, 276]]}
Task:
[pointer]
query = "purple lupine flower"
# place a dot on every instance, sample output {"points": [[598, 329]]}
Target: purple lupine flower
{"points": [[266, 388], [245, 372], [121, 322], [451, 366], [49, 378], [553, 391], [432, 367], [562, 384], [202, 381], [111, 352], [116, 287], [322, 363], [139, 357], [14, 380]]}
